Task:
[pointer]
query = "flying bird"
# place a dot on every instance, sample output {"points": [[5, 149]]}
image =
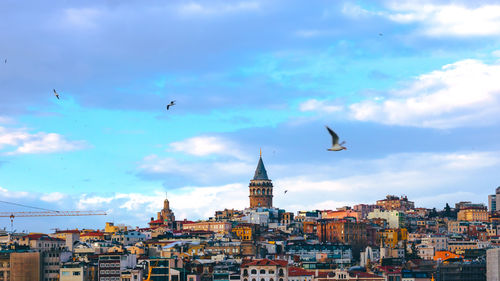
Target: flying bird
{"points": [[380, 34], [170, 104], [5, 60], [286, 191], [55, 93], [335, 141]]}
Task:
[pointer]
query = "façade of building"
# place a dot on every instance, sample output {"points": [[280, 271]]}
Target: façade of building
{"points": [[261, 188], [164, 218]]}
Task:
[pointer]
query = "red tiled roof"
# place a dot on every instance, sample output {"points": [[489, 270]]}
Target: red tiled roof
{"points": [[298, 271], [143, 229], [34, 236], [41, 237], [68, 231], [323, 274], [265, 262], [156, 221], [389, 269], [92, 234], [363, 274]]}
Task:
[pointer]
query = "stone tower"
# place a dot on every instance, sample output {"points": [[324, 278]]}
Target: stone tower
{"points": [[261, 188], [166, 215]]}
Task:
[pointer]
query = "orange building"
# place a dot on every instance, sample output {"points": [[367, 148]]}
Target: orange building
{"points": [[61, 234], [392, 202], [214, 226], [245, 231], [309, 227], [341, 214], [444, 255], [343, 231], [391, 237], [473, 213], [92, 236], [26, 266]]}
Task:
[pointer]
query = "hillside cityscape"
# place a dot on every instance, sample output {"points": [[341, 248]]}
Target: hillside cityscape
{"points": [[250, 140], [391, 240]]}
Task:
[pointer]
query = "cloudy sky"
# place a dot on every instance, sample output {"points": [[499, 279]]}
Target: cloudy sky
{"points": [[413, 89]]}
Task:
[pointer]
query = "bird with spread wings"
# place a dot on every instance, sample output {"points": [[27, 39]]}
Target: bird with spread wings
{"points": [[335, 141]]}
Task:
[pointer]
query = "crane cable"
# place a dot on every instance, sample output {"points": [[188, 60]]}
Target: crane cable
{"points": [[17, 204]]}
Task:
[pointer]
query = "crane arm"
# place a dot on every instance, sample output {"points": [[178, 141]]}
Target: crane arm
{"points": [[51, 214]]}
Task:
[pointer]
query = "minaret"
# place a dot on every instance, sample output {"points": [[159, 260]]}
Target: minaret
{"points": [[261, 187]]}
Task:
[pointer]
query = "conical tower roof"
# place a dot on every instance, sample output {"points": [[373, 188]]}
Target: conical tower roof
{"points": [[260, 172]]}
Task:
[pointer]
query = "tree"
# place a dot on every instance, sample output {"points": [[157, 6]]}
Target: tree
{"points": [[447, 211], [433, 213], [414, 252]]}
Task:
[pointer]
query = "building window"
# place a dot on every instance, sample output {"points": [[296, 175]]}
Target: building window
{"points": [[254, 271], [262, 271]]}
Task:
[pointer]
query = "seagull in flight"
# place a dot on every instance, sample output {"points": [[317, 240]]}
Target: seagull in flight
{"points": [[335, 141], [5, 60], [170, 104], [286, 191], [55, 93]]}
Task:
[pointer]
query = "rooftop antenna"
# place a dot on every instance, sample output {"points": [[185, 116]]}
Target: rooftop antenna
{"points": [[260, 152]]}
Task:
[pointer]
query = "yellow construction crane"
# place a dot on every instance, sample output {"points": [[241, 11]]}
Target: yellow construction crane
{"points": [[150, 270], [51, 214]]}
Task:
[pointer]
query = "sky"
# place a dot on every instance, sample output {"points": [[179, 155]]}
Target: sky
{"points": [[412, 89]]}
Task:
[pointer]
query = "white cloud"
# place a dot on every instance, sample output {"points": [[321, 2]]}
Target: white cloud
{"points": [[208, 145], [429, 179], [187, 202], [49, 143], [355, 11], [204, 171], [5, 193], [91, 202], [496, 53], [81, 18], [319, 106], [41, 142], [5, 120], [465, 93], [53, 197], [308, 33], [448, 19], [205, 9], [313, 33], [12, 137], [415, 174]]}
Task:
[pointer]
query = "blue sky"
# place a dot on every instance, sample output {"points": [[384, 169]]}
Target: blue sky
{"points": [[412, 89]]}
